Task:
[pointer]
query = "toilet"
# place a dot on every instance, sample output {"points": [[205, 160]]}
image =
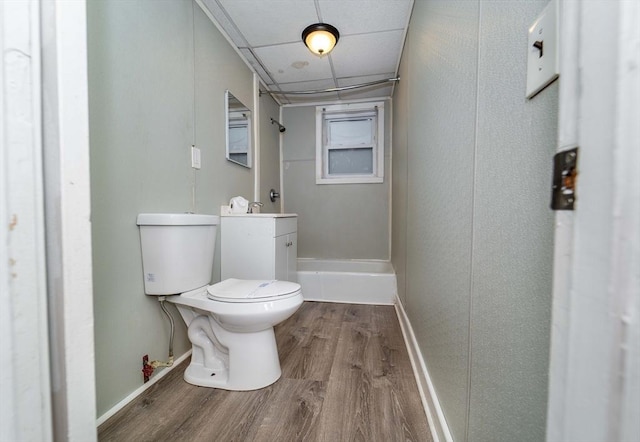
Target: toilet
{"points": [[230, 324]]}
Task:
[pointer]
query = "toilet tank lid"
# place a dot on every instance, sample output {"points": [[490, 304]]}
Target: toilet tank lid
{"points": [[177, 219]]}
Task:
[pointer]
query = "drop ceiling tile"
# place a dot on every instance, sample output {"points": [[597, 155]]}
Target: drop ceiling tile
{"points": [[314, 98], [293, 62], [364, 16], [379, 91], [350, 81], [225, 23], [269, 22], [257, 66], [374, 91], [314, 85], [367, 54]]}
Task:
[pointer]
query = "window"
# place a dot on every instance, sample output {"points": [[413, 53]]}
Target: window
{"points": [[350, 143]]}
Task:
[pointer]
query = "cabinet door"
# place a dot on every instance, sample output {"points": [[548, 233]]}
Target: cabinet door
{"points": [[292, 258], [281, 257]]}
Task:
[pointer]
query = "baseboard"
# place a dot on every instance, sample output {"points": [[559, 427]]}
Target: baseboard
{"points": [[137, 392], [348, 301], [435, 415]]}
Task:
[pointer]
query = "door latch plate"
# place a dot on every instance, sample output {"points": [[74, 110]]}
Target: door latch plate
{"points": [[565, 174]]}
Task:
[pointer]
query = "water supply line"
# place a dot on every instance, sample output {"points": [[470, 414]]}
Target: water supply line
{"points": [[169, 363]]}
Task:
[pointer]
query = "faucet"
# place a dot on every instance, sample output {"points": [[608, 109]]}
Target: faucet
{"points": [[254, 205]]}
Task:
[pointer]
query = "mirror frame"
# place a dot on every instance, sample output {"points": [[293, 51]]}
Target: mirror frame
{"points": [[228, 96]]}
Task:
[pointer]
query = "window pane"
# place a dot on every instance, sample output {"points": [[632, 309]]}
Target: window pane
{"points": [[239, 157], [238, 138], [350, 132], [351, 161]]}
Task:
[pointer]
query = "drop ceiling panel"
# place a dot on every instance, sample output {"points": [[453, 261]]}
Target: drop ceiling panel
{"points": [[297, 99], [350, 81], [269, 22], [308, 86], [257, 66], [225, 22], [293, 62], [326, 83], [367, 54], [368, 92], [375, 91], [365, 16]]}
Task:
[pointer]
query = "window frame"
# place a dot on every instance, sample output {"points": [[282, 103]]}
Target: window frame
{"points": [[347, 112]]}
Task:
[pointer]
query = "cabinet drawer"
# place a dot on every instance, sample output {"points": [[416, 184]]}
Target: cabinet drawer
{"points": [[285, 226]]}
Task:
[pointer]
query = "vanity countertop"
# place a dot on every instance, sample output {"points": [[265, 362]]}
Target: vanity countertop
{"points": [[261, 215]]}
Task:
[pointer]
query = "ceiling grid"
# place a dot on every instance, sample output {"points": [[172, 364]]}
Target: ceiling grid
{"points": [[268, 34]]}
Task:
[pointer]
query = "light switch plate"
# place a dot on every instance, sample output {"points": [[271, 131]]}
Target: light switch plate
{"points": [[542, 47]]}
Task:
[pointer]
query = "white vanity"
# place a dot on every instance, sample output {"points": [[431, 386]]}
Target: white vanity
{"points": [[259, 246]]}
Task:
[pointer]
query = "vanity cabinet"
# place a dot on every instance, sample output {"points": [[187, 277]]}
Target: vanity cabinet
{"points": [[259, 246]]}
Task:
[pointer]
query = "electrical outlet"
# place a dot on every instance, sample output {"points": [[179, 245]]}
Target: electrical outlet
{"points": [[147, 370]]}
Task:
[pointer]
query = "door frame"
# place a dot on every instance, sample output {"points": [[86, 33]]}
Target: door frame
{"points": [[594, 377]]}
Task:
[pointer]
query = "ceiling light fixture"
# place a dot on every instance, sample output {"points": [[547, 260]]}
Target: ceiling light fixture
{"points": [[320, 38]]}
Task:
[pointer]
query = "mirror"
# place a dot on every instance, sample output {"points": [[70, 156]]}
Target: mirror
{"points": [[238, 131]]}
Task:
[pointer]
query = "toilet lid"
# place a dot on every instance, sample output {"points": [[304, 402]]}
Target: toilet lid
{"points": [[242, 290]]}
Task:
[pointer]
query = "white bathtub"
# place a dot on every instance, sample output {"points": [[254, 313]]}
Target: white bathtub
{"points": [[351, 281]]}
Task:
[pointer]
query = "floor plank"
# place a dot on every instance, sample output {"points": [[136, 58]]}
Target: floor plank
{"points": [[295, 417], [346, 376], [307, 342], [364, 400]]}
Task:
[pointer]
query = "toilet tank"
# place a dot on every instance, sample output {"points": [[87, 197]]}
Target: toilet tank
{"points": [[177, 251]]}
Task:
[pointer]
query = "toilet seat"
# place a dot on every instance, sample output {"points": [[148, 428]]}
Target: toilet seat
{"points": [[251, 291]]}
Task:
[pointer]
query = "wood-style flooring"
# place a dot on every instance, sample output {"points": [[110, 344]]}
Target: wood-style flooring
{"points": [[346, 376]]}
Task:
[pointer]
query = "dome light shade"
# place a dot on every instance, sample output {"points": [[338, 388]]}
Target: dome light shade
{"points": [[320, 38]]}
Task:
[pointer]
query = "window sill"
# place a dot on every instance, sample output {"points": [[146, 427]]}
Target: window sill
{"points": [[350, 180]]}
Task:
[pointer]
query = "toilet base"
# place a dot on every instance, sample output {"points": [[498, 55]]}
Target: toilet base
{"points": [[253, 363], [234, 344]]}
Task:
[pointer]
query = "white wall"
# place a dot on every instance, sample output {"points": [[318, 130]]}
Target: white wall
{"points": [[157, 76], [472, 226]]}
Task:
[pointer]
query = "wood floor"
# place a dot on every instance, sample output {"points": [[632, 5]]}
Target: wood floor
{"points": [[346, 376]]}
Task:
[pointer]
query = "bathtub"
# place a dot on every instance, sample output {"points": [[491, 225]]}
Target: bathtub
{"points": [[350, 281]]}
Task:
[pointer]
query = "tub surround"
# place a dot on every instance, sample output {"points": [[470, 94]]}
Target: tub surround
{"points": [[350, 281]]}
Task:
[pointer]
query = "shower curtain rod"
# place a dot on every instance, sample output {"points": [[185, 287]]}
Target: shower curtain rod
{"points": [[334, 89]]}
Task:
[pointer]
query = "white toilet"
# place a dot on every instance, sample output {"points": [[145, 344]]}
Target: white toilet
{"points": [[230, 324]]}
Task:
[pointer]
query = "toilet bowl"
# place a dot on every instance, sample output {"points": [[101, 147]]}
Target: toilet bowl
{"points": [[230, 324]]}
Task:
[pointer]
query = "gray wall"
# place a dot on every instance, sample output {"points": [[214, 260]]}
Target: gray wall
{"points": [[335, 221], [157, 75], [269, 153], [472, 231]]}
